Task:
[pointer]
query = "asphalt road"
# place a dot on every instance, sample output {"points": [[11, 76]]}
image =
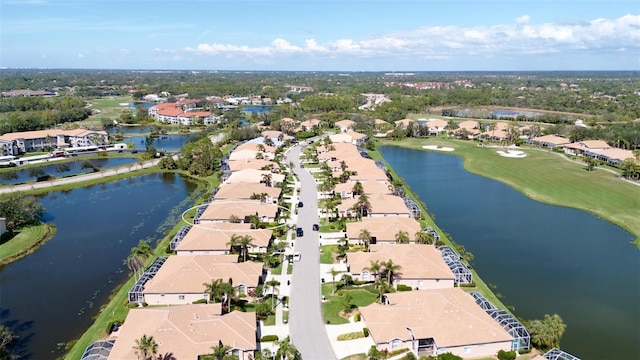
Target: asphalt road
{"points": [[306, 327]]}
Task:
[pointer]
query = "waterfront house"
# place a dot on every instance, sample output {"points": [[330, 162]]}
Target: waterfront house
{"points": [[213, 239], [187, 331], [242, 210], [382, 229], [435, 321], [381, 206], [28, 141], [181, 279], [244, 191], [422, 265]]}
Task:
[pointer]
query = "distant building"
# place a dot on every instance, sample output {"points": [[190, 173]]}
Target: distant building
{"points": [[28, 141]]}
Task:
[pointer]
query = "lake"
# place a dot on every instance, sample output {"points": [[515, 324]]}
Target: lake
{"points": [[51, 296], [543, 259], [75, 167]]}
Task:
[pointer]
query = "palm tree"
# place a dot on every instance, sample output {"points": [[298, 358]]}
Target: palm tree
{"points": [[138, 256], [365, 237], [266, 179], [234, 242], [357, 188], [334, 273], [422, 237], [402, 237], [146, 348], [375, 268], [343, 165], [363, 205], [273, 284], [286, 350], [213, 289], [382, 286], [229, 294], [245, 242], [391, 270], [220, 351]]}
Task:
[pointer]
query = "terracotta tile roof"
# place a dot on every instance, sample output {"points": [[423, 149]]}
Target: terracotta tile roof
{"points": [[587, 145], [187, 274], [551, 139], [384, 228], [40, 134], [345, 123], [215, 236], [615, 153], [450, 316], [418, 261], [403, 123], [185, 331], [249, 163], [253, 176], [222, 210], [469, 124], [370, 187], [245, 190]]}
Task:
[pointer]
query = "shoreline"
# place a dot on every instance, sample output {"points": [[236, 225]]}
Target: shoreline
{"points": [[49, 232], [532, 194]]}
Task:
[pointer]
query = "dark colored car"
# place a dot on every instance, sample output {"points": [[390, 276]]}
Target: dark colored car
{"points": [[300, 204], [299, 232], [316, 227]]}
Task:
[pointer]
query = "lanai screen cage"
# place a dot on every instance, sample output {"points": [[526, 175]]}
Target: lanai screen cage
{"points": [[182, 233], [520, 334], [380, 165], [435, 234], [413, 208], [460, 271], [136, 294], [557, 354], [99, 350]]}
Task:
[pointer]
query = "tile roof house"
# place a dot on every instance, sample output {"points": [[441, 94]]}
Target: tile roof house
{"points": [[345, 125], [422, 265], [308, 125], [257, 164], [181, 279], [222, 211], [187, 331], [254, 176], [381, 206], [243, 190], [436, 126], [549, 141], [435, 321], [403, 123], [213, 239], [383, 229], [584, 146], [29, 141]]}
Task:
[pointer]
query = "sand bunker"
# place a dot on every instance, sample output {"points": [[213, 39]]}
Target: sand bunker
{"points": [[123, 104], [438, 148], [512, 153]]}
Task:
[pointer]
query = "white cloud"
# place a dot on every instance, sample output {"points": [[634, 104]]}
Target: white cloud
{"points": [[436, 42], [80, 56]]}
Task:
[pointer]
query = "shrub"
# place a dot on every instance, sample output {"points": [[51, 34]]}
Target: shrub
{"points": [[200, 301], [351, 336], [402, 287], [410, 356], [472, 284], [356, 317], [132, 305], [506, 355], [267, 338], [448, 356], [524, 351], [396, 352], [365, 331]]}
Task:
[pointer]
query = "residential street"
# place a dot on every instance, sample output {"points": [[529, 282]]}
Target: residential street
{"points": [[306, 326]]}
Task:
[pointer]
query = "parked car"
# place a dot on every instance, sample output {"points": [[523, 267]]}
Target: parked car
{"points": [[300, 204], [316, 227], [299, 232]]}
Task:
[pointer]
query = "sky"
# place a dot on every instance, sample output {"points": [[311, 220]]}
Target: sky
{"points": [[327, 35]]}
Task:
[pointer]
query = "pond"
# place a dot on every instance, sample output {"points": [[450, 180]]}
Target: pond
{"points": [[543, 259], [51, 296], [56, 169], [170, 142]]}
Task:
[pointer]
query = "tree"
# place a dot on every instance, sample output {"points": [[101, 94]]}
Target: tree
{"points": [[8, 176], [382, 286], [62, 167], [629, 168], [86, 164], [213, 289], [402, 237], [546, 333], [168, 163], [357, 188], [273, 284], [7, 337], [375, 268], [363, 205], [20, 210], [375, 354], [422, 237], [334, 273], [286, 350], [591, 163], [234, 243], [365, 237], [146, 348], [221, 352], [245, 242], [391, 270], [266, 179], [138, 256]]}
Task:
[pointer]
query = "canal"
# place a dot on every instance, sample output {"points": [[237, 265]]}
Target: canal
{"points": [[543, 259], [50, 297]]}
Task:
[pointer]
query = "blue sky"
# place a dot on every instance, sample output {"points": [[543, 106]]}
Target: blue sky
{"points": [[327, 35]]}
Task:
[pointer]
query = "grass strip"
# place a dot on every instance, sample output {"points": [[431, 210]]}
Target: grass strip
{"points": [[26, 241]]}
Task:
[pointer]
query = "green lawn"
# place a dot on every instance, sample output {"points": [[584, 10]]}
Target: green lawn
{"points": [[547, 177], [25, 242], [331, 308], [326, 254]]}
